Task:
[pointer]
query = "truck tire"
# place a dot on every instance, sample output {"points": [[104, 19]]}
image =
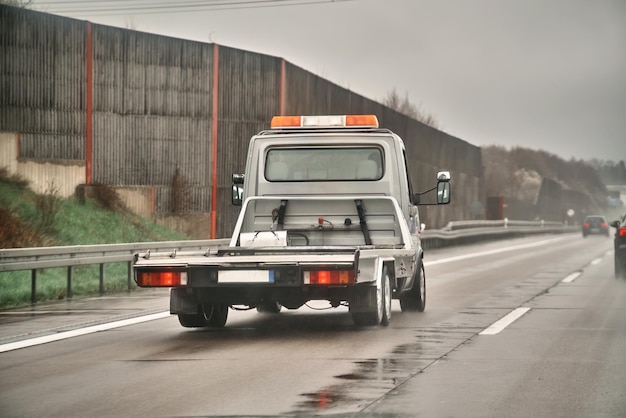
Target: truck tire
{"points": [[415, 299], [207, 316], [219, 315], [380, 308], [386, 298], [269, 307]]}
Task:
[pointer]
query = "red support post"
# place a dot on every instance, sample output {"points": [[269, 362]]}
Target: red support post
{"points": [[214, 141], [89, 109]]}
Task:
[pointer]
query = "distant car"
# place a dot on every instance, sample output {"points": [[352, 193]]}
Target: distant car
{"points": [[620, 247], [595, 224]]}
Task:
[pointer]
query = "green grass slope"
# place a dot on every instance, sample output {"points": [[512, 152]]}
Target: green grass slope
{"points": [[28, 219]]}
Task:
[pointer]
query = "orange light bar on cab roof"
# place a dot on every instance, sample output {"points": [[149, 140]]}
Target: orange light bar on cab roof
{"points": [[286, 122], [326, 121], [362, 120]]}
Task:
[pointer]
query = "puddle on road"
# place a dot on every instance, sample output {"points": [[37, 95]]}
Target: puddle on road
{"points": [[373, 378], [323, 399]]}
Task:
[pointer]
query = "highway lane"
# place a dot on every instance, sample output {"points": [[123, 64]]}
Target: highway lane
{"points": [[564, 357]]}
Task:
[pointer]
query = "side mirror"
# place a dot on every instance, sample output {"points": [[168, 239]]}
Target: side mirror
{"points": [[443, 192], [237, 189], [615, 224], [237, 194]]}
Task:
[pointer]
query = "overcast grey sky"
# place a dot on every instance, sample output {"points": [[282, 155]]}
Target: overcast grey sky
{"points": [[541, 74]]}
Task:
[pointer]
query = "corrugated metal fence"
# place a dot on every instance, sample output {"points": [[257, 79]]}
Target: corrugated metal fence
{"points": [[154, 110]]}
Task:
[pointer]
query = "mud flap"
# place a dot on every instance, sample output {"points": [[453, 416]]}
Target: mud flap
{"points": [[364, 297], [363, 300], [182, 301]]}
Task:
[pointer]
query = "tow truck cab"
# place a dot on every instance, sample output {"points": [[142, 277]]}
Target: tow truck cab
{"points": [[332, 155]]}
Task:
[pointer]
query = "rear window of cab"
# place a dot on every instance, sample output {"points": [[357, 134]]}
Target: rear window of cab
{"points": [[324, 164]]}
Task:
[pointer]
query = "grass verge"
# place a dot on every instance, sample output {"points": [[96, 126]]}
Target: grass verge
{"points": [[31, 220]]}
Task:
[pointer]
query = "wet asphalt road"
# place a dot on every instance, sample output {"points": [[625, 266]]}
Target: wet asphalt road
{"points": [[563, 358]]}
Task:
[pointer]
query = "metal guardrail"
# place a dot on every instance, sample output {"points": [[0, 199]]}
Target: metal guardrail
{"points": [[463, 232], [502, 223], [33, 259]]}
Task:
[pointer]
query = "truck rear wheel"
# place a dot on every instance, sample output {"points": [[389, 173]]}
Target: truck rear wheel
{"points": [[415, 299], [380, 307], [269, 307], [219, 315], [207, 316], [386, 298]]}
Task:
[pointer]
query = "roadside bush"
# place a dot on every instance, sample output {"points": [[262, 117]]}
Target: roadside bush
{"points": [[16, 234], [47, 205], [107, 197]]}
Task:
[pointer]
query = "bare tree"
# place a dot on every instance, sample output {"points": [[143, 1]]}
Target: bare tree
{"points": [[404, 106], [499, 172], [26, 4]]}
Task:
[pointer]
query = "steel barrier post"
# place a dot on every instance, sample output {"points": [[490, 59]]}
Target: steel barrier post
{"points": [[101, 279], [33, 286], [70, 274]]}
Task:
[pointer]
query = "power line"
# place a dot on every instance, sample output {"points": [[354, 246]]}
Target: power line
{"points": [[161, 7]]}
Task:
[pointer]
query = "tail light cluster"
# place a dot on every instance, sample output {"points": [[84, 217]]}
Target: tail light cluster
{"points": [[329, 277], [161, 278], [622, 231]]}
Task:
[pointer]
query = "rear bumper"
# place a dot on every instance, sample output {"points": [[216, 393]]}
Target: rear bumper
{"points": [[595, 231], [186, 299]]}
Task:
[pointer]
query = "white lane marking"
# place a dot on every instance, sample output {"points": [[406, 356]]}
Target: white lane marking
{"points": [[504, 322], [572, 277], [491, 252], [81, 331], [596, 261]]}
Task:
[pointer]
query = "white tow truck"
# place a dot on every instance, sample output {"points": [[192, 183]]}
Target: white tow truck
{"points": [[327, 213]]}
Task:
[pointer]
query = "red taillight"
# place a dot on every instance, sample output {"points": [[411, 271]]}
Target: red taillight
{"points": [[329, 277], [622, 231], [603, 225], [161, 278], [586, 224]]}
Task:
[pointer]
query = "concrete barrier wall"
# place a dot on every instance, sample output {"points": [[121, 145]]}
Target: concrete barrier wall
{"points": [[44, 176], [8, 151], [138, 199]]}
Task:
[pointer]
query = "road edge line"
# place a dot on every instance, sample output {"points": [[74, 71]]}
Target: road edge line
{"points": [[80, 331]]}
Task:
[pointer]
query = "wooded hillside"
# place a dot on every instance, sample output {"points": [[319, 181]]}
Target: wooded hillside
{"points": [[521, 175]]}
